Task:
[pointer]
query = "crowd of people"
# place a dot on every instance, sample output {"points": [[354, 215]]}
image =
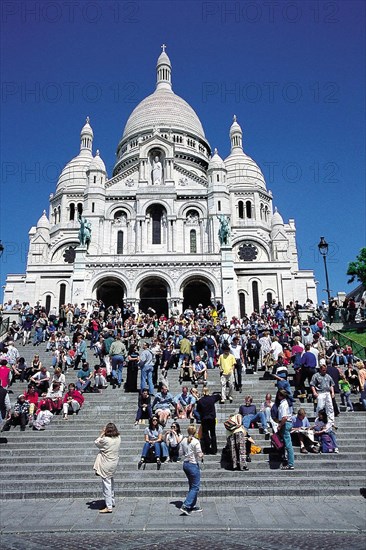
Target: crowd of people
{"points": [[201, 346]]}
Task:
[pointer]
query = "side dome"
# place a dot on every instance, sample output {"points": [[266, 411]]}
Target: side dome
{"points": [[276, 219], [216, 162], [43, 222], [242, 169], [74, 173], [97, 163]]}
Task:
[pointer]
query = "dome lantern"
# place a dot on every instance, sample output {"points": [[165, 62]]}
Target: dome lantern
{"points": [[163, 71], [236, 136], [86, 136]]}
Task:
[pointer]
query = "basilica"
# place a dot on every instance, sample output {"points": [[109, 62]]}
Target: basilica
{"points": [[174, 225]]}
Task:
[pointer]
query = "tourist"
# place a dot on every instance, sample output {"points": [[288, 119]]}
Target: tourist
{"points": [[144, 410], [146, 364], [172, 439], [226, 364], [301, 429], [237, 440], [250, 415], [153, 438], [345, 388], [117, 354], [105, 465], [161, 405], [323, 427], [190, 449], [207, 413], [132, 369], [184, 403], [85, 376], [19, 416], [72, 402], [41, 380], [285, 427], [322, 386]]}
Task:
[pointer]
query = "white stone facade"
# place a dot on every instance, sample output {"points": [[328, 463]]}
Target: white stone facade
{"points": [[155, 222]]}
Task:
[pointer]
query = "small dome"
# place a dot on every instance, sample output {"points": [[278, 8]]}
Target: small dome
{"points": [[276, 219], [235, 127], [87, 129], [74, 173], [43, 222], [163, 59], [97, 163], [216, 162], [242, 169]]}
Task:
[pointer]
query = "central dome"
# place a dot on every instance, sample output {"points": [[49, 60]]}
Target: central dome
{"points": [[163, 109]]}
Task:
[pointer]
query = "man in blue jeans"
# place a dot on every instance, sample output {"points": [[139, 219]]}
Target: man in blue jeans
{"points": [[285, 427], [117, 353], [250, 414], [146, 365]]}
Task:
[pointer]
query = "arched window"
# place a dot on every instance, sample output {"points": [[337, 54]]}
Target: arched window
{"points": [[72, 211], [269, 298], [80, 208], [62, 296], [120, 242], [193, 241], [241, 210], [266, 214], [55, 216], [59, 214], [255, 296], [261, 211], [156, 213], [248, 209], [48, 303], [242, 304]]}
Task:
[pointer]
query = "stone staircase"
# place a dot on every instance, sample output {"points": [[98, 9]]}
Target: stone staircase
{"points": [[57, 462]]}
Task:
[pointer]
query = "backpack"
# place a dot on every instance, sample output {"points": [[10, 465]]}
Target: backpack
{"points": [[231, 423], [327, 444]]}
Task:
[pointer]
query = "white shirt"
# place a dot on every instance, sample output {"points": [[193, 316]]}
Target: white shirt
{"points": [[191, 451], [284, 410], [276, 349]]}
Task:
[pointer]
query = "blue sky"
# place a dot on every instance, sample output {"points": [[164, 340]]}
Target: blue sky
{"points": [[292, 72]]}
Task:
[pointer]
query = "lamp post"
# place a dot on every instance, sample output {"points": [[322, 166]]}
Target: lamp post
{"points": [[323, 249]]}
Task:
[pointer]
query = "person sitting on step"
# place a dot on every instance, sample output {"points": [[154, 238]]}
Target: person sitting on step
{"points": [[184, 403], [161, 405], [72, 402], [301, 430], [199, 371], [186, 370], [250, 415], [153, 438], [144, 410]]}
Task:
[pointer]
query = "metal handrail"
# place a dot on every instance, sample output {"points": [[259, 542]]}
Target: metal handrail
{"points": [[358, 349], [4, 326]]}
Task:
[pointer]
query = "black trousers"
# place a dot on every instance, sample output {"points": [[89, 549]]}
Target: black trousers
{"points": [[209, 436]]}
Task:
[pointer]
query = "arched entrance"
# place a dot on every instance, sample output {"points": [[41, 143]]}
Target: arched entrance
{"points": [[111, 291], [153, 294], [196, 292]]}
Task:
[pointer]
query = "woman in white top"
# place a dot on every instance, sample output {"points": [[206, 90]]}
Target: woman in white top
{"points": [[191, 450], [106, 462]]}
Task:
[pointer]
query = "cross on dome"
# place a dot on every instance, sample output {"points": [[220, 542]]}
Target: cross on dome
{"points": [[163, 46]]}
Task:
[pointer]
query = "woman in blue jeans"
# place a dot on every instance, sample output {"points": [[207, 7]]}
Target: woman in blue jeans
{"points": [[153, 438], [191, 450]]}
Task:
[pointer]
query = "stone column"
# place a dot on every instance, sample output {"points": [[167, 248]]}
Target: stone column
{"points": [[228, 282]]}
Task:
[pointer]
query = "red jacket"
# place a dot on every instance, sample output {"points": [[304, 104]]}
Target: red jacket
{"points": [[76, 395]]}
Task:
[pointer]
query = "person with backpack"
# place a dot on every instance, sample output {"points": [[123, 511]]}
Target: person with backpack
{"points": [[190, 449], [324, 433], [237, 442]]}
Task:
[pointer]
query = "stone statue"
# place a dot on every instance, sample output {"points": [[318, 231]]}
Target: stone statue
{"points": [[224, 231], [157, 172], [84, 231]]}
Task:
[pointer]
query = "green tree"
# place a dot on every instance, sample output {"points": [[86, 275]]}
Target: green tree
{"points": [[357, 269]]}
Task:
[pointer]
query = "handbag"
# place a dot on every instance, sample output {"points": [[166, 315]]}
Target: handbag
{"points": [[277, 442]]}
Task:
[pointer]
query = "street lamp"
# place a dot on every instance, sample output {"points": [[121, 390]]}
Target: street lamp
{"points": [[323, 249], [1, 249]]}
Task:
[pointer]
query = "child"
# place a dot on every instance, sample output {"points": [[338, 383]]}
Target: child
{"points": [[345, 388], [43, 417]]}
